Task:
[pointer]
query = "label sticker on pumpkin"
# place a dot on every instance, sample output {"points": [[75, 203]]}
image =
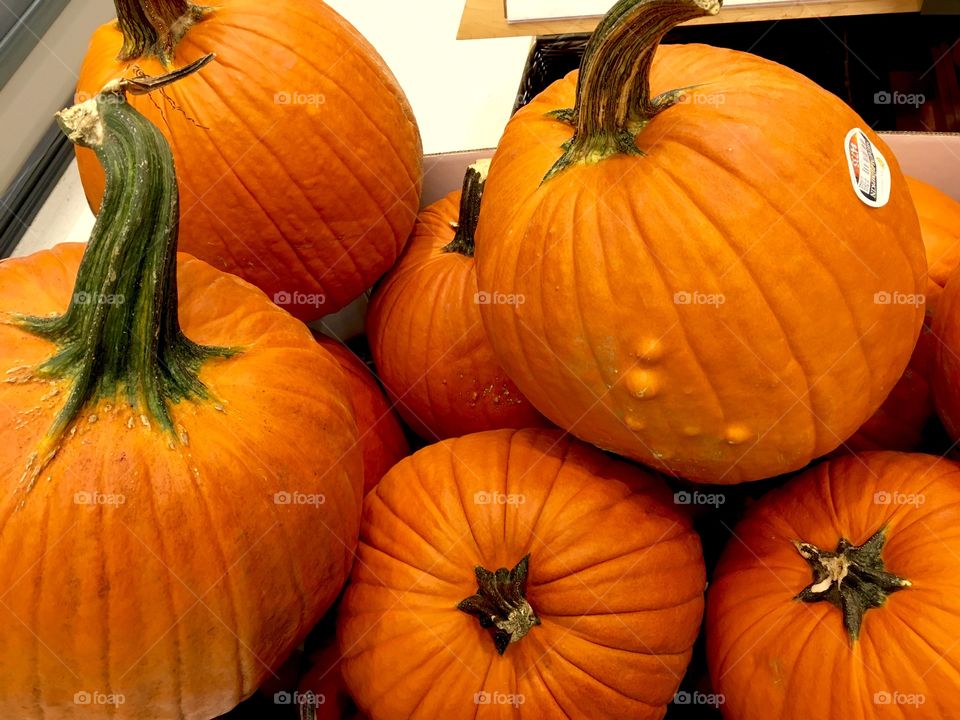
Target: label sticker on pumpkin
{"points": [[869, 171]]}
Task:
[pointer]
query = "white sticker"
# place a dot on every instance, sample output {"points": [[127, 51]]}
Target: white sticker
{"points": [[869, 171]]}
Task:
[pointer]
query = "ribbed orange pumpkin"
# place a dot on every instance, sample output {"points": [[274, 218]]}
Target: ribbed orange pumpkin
{"points": [[700, 275], [182, 496], [900, 422], [426, 334], [298, 156], [836, 596], [520, 574], [381, 436]]}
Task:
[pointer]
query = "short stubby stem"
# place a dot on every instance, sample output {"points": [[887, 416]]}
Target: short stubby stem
{"points": [[613, 89], [470, 197], [500, 604], [853, 578]]}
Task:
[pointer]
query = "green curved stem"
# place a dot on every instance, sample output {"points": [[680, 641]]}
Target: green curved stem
{"points": [[121, 333], [613, 89], [470, 196], [154, 27]]}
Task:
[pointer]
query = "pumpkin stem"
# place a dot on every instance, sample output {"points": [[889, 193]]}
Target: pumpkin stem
{"points": [[613, 89], [473, 182], [154, 27], [121, 331], [501, 604], [852, 577]]}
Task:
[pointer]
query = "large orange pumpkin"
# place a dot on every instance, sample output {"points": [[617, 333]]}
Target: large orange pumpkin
{"points": [[520, 574], [425, 331], [836, 596], [381, 437], [182, 495], [703, 282], [298, 156]]}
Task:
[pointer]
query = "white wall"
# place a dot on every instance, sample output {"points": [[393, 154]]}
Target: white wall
{"points": [[45, 80], [462, 91]]}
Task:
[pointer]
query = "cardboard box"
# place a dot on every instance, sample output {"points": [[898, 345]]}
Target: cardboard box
{"points": [[931, 157]]}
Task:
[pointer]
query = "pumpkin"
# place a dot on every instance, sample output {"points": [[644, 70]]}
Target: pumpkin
{"points": [[520, 574], [381, 437], [683, 238], [182, 495], [836, 596], [900, 422], [298, 155], [425, 331]]}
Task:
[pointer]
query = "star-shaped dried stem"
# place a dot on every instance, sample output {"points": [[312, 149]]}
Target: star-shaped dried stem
{"points": [[852, 577], [500, 603]]}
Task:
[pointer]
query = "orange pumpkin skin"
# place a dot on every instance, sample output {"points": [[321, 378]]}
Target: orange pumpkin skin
{"points": [[946, 371], [901, 420], [903, 416], [428, 340], [773, 656], [616, 577], [940, 222], [308, 180], [695, 308], [165, 572], [381, 436]]}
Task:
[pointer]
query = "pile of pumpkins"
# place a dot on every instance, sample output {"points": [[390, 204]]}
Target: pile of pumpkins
{"points": [[684, 268]]}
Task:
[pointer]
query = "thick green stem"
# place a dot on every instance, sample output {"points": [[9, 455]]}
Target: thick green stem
{"points": [[464, 240], [121, 333], [500, 604], [852, 577], [613, 89], [154, 27]]}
